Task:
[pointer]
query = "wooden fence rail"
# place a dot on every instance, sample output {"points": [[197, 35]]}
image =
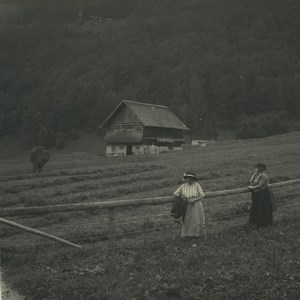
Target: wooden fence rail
{"points": [[121, 203], [110, 205]]}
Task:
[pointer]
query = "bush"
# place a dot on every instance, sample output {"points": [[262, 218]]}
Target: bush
{"points": [[262, 125]]}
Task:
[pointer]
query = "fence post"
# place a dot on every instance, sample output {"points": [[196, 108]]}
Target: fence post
{"points": [[111, 228]]}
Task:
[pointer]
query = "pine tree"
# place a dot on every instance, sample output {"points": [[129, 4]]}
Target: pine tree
{"points": [[196, 101]]}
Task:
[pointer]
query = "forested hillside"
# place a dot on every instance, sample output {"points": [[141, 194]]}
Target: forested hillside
{"points": [[66, 64]]}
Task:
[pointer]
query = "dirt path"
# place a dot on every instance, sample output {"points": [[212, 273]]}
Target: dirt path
{"points": [[8, 294]]}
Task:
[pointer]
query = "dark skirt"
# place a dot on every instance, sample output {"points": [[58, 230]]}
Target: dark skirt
{"points": [[261, 208]]}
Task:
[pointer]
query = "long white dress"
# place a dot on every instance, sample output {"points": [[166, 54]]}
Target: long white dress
{"points": [[194, 217]]}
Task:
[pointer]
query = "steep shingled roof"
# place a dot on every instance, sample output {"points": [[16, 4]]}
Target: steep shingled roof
{"points": [[152, 115]]}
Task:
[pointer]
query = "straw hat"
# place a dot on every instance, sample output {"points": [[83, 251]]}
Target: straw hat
{"points": [[190, 175]]}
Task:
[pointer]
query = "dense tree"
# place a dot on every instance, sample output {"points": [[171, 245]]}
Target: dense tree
{"points": [[219, 60], [196, 101]]}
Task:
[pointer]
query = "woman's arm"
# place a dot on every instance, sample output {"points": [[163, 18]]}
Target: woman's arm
{"points": [[252, 178], [200, 195], [262, 182], [177, 193]]}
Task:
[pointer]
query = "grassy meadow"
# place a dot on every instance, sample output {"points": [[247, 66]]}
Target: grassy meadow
{"points": [[150, 260]]}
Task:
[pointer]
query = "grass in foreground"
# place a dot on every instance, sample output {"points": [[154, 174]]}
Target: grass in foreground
{"points": [[228, 264]]}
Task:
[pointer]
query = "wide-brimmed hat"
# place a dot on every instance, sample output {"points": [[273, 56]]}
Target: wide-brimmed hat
{"points": [[189, 175]]}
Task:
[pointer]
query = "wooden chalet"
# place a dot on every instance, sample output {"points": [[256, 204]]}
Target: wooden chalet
{"points": [[141, 128]]}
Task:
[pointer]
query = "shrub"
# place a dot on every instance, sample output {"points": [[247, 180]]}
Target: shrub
{"points": [[262, 125]]}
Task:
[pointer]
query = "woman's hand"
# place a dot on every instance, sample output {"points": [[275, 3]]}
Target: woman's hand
{"points": [[250, 187], [192, 200]]}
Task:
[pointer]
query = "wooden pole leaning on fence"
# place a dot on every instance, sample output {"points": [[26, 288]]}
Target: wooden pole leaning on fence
{"points": [[37, 232]]}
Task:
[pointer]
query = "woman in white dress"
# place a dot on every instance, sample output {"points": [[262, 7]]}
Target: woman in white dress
{"points": [[192, 193]]}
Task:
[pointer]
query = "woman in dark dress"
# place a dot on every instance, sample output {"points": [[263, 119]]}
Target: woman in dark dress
{"points": [[261, 209]]}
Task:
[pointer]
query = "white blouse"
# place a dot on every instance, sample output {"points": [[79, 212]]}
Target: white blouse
{"points": [[189, 190]]}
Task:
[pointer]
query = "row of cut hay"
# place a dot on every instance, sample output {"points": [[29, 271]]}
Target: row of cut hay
{"points": [[105, 194], [38, 196], [157, 184], [82, 171], [36, 183], [113, 188], [207, 162]]}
